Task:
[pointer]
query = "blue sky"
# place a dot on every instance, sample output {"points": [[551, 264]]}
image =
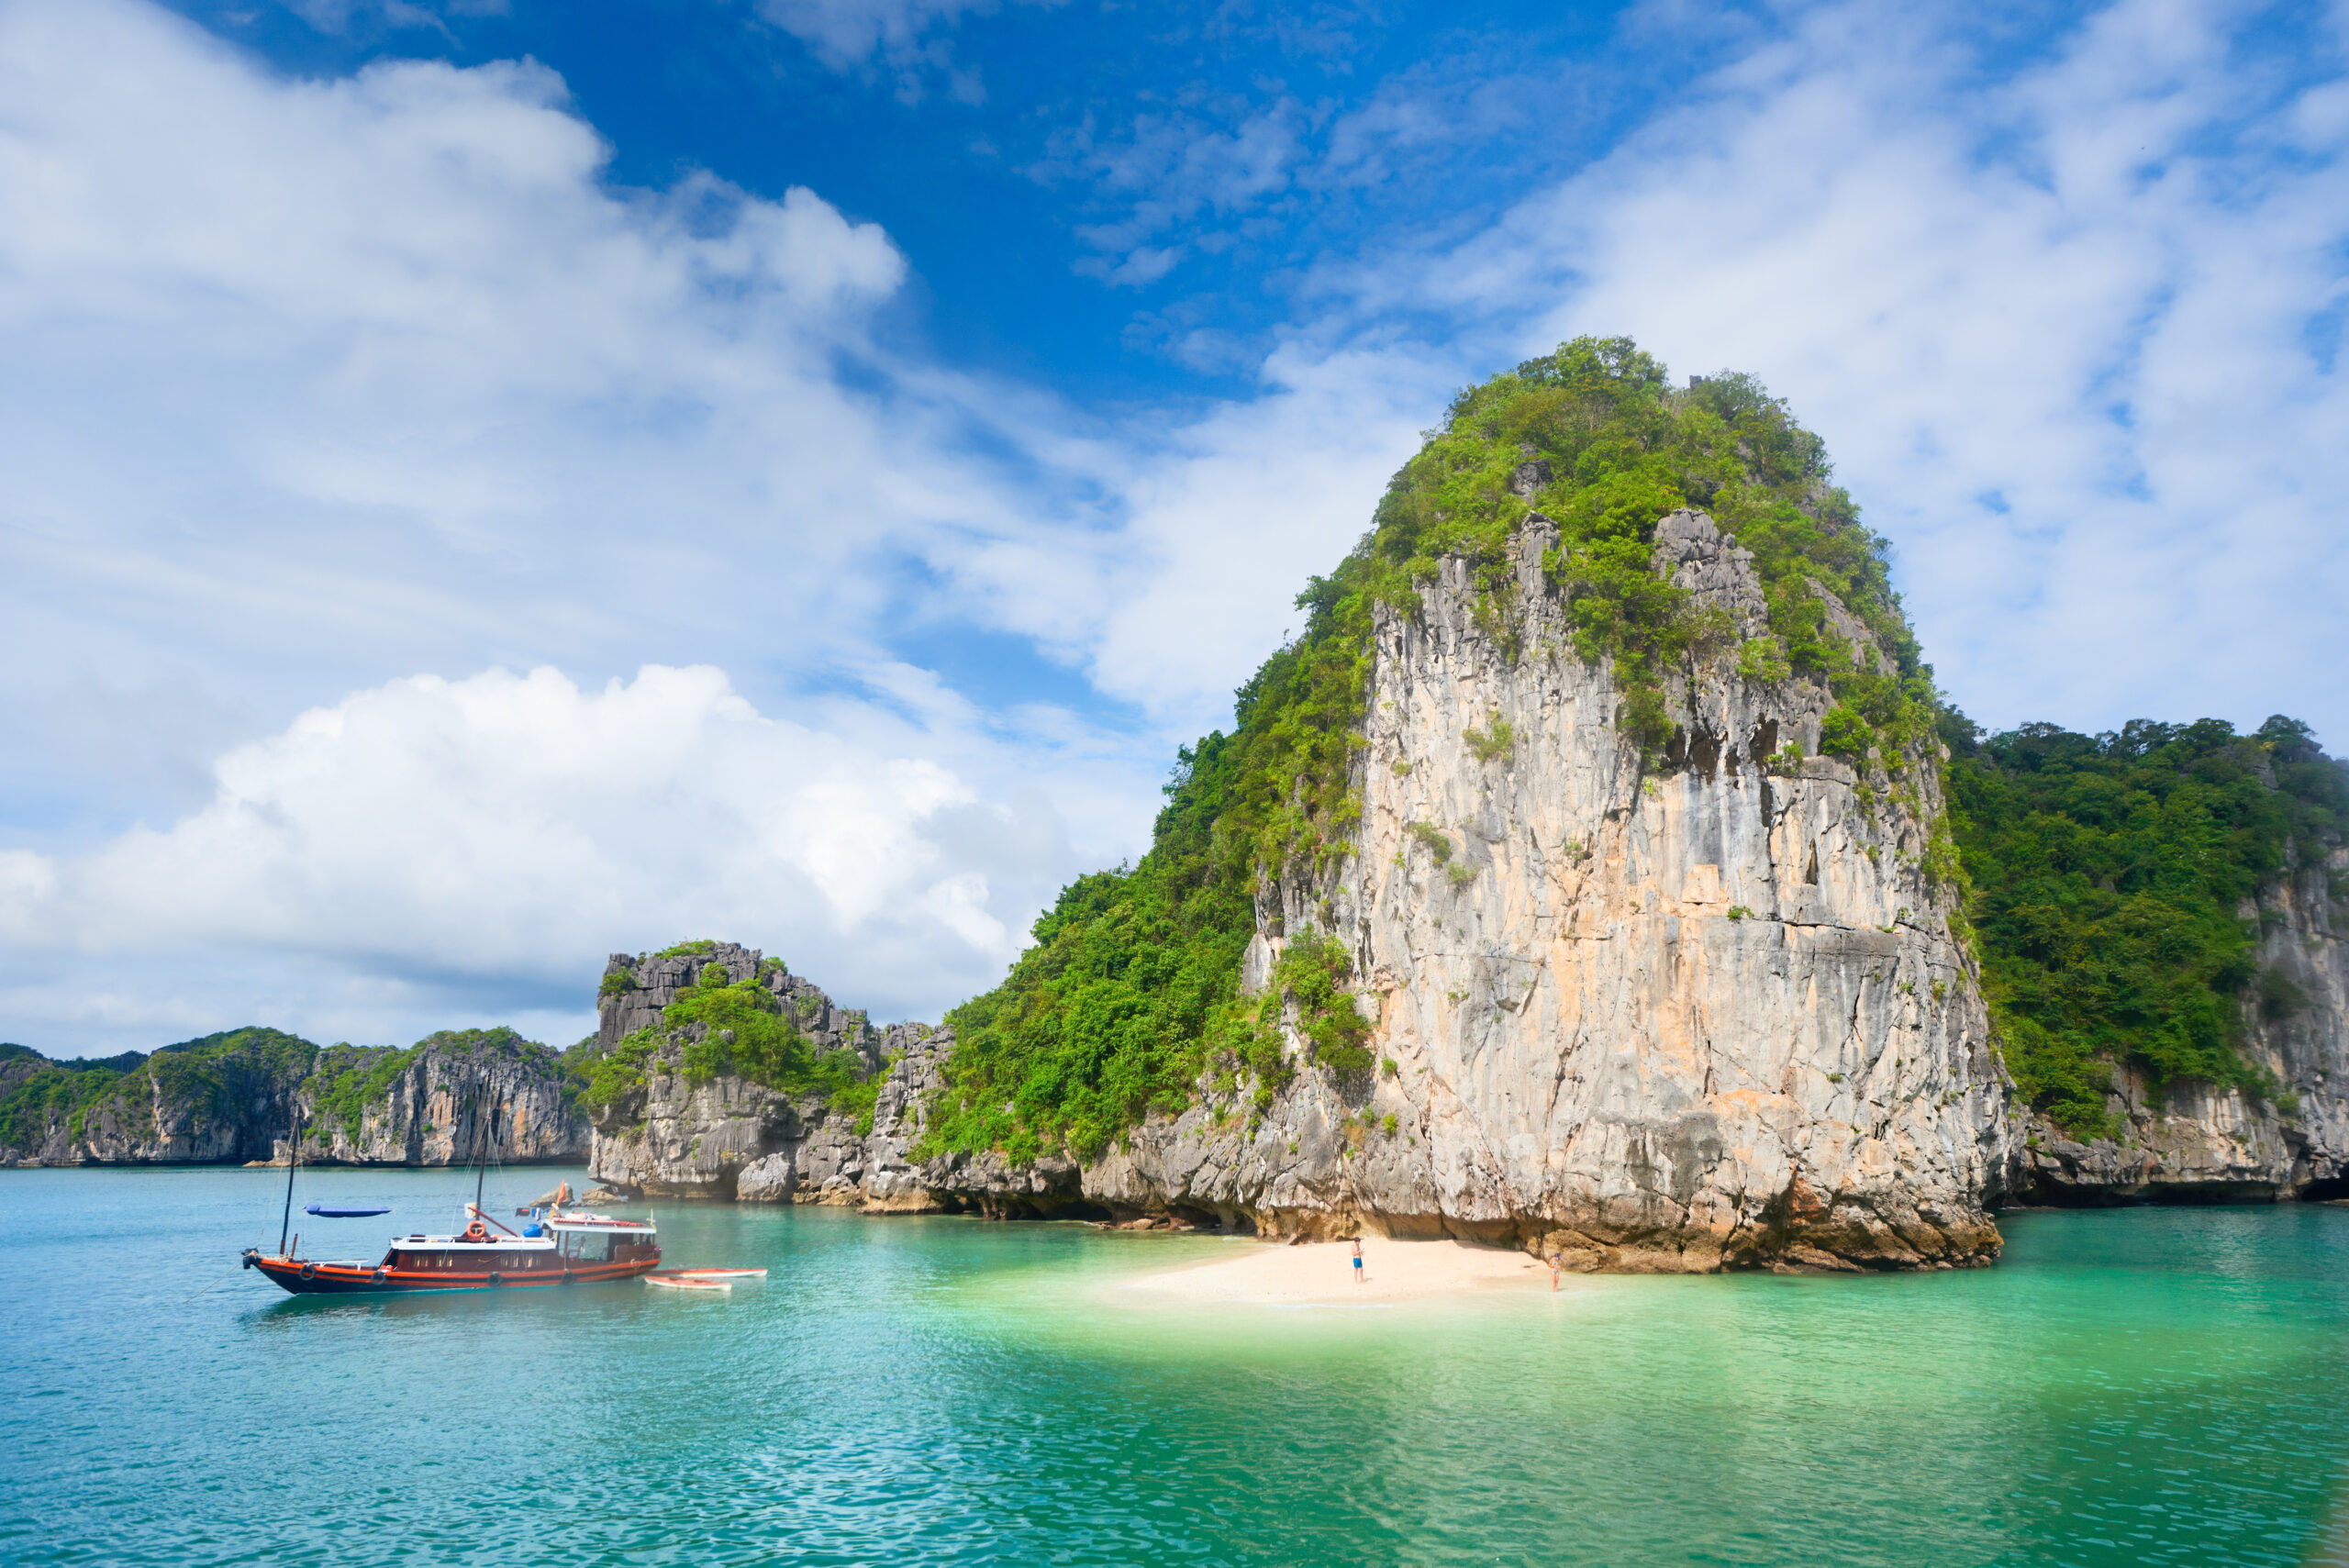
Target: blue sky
{"points": [[1008, 149], [493, 483]]}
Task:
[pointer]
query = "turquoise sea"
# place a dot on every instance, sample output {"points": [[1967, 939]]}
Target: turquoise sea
{"points": [[2144, 1386]]}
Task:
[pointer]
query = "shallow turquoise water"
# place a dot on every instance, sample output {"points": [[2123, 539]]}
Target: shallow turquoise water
{"points": [[2153, 1385]]}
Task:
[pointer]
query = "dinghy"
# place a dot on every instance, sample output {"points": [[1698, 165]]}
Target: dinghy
{"points": [[681, 1282], [719, 1274], [330, 1211]]}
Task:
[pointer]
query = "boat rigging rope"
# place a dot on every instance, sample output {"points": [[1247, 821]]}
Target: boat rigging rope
{"points": [[231, 1273]]}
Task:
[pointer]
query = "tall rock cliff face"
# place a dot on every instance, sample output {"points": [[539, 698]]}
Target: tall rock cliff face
{"points": [[1699, 1013], [428, 1110], [233, 1098], [2196, 1142]]}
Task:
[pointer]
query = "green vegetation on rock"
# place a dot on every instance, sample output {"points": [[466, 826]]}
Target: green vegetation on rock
{"points": [[356, 1076], [2106, 875], [1110, 1014], [608, 1076], [745, 1031], [347, 1079], [37, 1094], [1310, 971], [1130, 996]]}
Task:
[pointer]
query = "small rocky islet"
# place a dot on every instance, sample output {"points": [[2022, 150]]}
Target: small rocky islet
{"points": [[1599, 875]]}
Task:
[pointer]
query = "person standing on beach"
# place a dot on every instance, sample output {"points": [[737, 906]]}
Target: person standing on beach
{"points": [[1357, 1261]]}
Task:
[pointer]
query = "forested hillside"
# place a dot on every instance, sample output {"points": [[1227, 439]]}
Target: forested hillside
{"points": [[2111, 875]]}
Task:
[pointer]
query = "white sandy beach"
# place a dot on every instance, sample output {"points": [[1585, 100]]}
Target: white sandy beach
{"points": [[1273, 1275]]}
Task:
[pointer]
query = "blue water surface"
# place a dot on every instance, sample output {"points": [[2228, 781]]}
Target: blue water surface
{"points": [[2138, 1386]]}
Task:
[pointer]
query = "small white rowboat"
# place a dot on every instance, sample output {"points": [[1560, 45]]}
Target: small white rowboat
{"points": [[666, 1281]]}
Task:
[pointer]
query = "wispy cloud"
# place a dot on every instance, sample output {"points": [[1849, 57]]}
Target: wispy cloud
{"points": [[2066, 332], [1167, 171], [2071, 327], [909, 40]]}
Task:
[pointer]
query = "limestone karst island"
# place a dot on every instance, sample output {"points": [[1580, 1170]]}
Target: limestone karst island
{"points": [[1598, 874], [1255, 784]]}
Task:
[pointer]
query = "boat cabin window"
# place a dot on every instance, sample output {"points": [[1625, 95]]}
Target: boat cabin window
{"points": [[634, 1248], [586, 1246]]}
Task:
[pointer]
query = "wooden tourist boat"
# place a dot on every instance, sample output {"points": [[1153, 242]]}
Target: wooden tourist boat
{"points": [[567, 1247], [557, 1246]]}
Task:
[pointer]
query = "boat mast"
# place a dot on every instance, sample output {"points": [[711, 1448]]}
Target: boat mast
{"points": [[481, 1148], [292, 1158]]}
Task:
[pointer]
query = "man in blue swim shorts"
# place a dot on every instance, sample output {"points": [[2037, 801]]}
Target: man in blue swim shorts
{"points": [[1357, 1259]]}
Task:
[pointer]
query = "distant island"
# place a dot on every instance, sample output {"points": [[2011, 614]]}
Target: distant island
{"points": [[232, 1097], [1600, 874]]}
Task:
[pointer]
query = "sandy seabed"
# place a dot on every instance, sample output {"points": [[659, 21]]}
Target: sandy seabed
{"points": [[1320, 1274]]}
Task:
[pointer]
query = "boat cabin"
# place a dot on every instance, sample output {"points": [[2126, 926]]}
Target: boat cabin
{"points": [[600, 1239], [559, 1242]]}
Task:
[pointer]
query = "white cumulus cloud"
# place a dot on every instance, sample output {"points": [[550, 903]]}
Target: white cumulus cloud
{"points": [[313, 383], [511, 829]]}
